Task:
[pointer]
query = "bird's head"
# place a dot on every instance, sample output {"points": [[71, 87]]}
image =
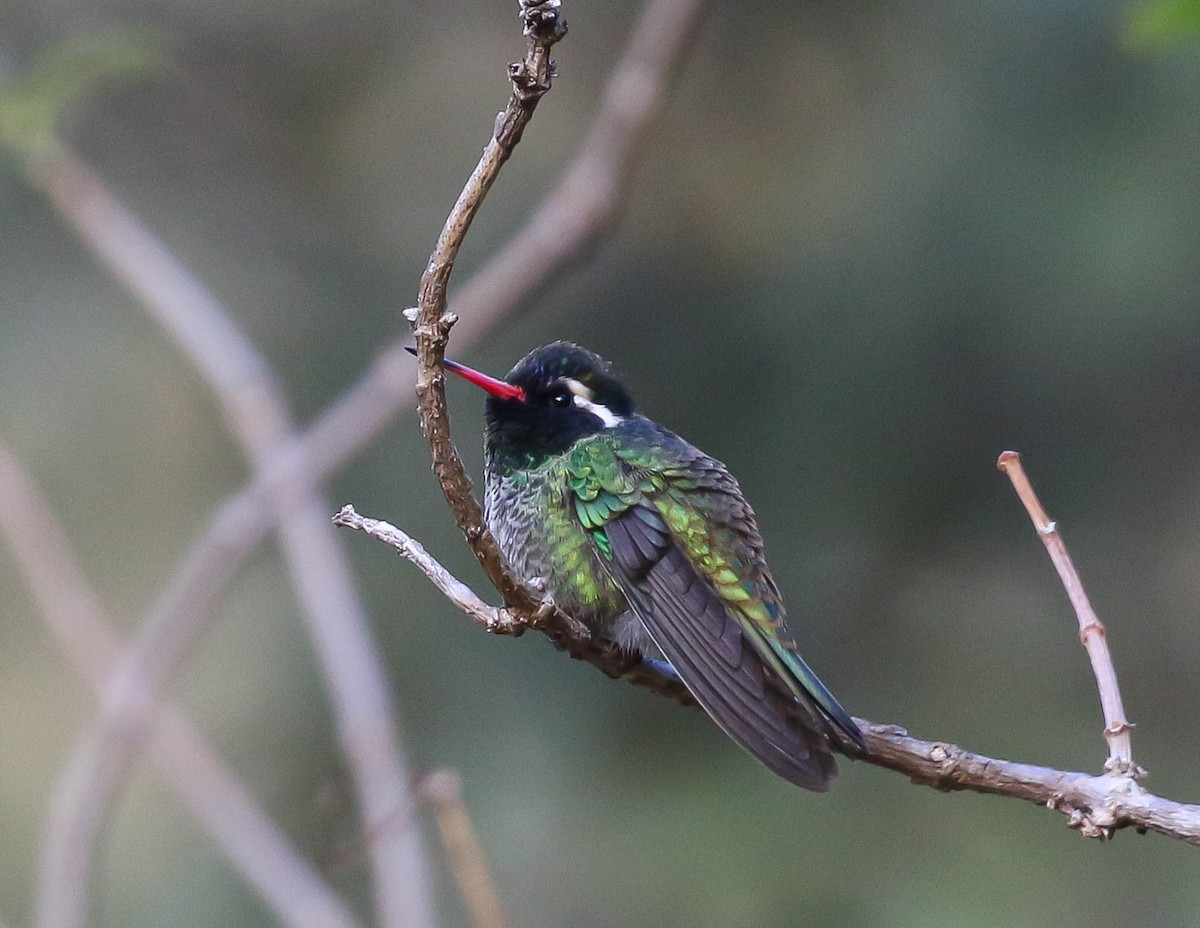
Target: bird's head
{"points": [[552, 397]]}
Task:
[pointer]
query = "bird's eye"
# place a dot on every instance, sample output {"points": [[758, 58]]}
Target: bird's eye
{"points": [[561, 400]]}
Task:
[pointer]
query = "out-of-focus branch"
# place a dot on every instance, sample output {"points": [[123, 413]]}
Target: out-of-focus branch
{"points": [[442, 790], [1095, 805], [633, 97], [348, 424], [258, 414], [1092, 632], [287, 883]]}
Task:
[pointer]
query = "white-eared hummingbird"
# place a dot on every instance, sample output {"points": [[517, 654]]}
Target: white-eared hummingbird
{"points": [[649, 542]]}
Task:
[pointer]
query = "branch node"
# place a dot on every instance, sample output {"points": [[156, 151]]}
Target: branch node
{"points": [[1087, 826], [506, 622], [544, 611], [1124, 767], [439, 329], [543, 20]]}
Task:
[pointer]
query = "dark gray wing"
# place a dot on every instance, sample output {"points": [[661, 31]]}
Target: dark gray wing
{"points": [[708, 648]]}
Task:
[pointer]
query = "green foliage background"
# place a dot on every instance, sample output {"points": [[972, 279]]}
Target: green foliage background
{"points": [[870, 247]]}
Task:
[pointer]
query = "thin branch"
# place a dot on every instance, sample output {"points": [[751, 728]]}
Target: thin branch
{"points": [[531, 80], [1095, 805], [570, 635], [442, 790], [287, 883], [1092, 632], [489, 618], [574, 214], [257, 411]]}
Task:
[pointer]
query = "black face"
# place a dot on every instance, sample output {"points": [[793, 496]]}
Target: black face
{"points": [[569, 393]]}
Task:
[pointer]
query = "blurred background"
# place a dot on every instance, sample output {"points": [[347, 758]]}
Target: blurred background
{"points": [[870, 246]]}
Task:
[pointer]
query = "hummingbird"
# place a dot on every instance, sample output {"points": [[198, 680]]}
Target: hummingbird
{"points": [[649, 542]]}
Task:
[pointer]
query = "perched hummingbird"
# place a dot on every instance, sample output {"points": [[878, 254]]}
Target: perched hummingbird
{"points": [[649, 542]]}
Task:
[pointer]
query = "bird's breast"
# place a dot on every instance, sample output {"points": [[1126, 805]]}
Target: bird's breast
{"points": [[545, 545]]}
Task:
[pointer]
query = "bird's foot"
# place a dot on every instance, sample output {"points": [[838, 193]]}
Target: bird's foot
{"points": [[545, 609], [546, 605]]}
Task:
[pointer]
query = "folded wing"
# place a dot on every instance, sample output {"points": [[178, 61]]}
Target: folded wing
{"points": [[709, 648]]}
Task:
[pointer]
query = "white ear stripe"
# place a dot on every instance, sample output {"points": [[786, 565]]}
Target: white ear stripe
{"points": [[603, 413], [583, 398]]}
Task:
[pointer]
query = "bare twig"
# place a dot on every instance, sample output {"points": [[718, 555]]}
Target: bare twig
{"points": [[570, 635], [256, 409], [577, 211], [531, 78], [288, 883], [1095, 805], [442, 789], [500, 621], [1091, 631]]}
